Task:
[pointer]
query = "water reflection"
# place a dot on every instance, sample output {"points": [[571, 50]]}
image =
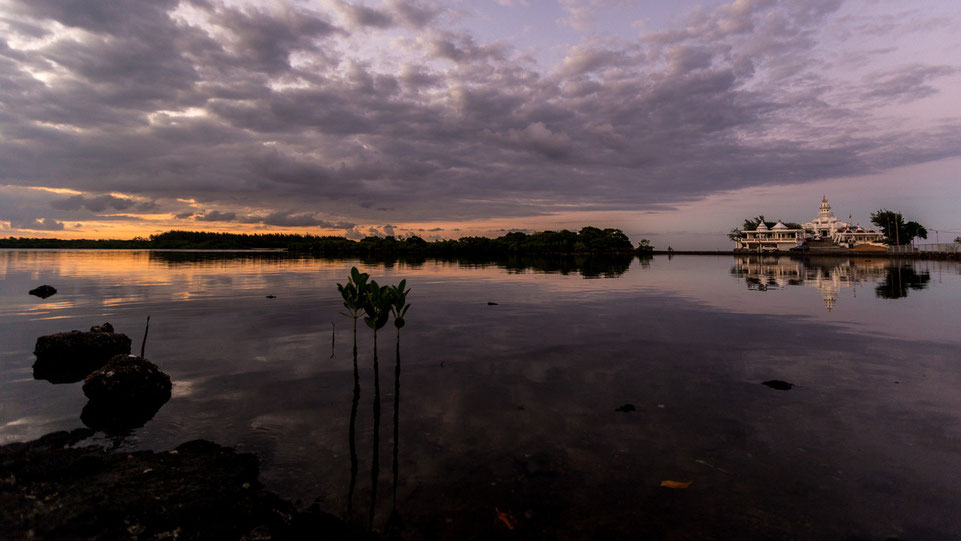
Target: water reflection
{"points": [[521, 418], [899, 280], [830, 275], [587, 266]]}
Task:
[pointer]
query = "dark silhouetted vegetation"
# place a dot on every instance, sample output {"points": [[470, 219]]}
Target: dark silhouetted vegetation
{"points": [[895, 229], [589, 240]]}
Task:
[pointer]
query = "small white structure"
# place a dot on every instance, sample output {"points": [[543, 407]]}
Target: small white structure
{"points": [[765, 239], [857, 237]]}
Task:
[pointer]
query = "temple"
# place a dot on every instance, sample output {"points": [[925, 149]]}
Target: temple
{"points": [[825, 231]]}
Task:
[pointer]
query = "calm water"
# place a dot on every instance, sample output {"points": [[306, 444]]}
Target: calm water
{"points": [[511, 407]]}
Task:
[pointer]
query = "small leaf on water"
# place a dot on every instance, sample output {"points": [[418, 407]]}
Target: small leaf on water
{"points": [[675, 484], [507, 519]]}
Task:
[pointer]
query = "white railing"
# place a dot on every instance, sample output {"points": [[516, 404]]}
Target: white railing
{"points": [[942, 247]]}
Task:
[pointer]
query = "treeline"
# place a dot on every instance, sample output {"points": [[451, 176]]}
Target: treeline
{"points": [[589, 240]]}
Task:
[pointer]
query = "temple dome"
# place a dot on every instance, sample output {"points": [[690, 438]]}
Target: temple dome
{"points": [[779, 225]]}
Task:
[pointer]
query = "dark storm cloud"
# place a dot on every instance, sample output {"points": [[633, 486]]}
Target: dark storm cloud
{"points": [[277, 108]]}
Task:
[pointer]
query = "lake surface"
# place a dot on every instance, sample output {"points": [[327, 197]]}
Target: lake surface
{"points": [[510, 407]]}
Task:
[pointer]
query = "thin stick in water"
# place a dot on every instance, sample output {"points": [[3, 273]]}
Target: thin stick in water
{"points": [[143, 344]]}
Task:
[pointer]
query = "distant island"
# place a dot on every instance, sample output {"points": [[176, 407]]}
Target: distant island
{"points": [[588, 241]]}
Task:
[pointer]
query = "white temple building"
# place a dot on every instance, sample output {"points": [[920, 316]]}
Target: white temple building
{"points": [[826, 224], [765, 239], [825, 228]]}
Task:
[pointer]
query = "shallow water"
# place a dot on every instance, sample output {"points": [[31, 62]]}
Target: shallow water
{"points": [[511, 407]]}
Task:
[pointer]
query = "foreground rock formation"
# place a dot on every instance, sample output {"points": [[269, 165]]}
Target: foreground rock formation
{"points": [[199, 490]]}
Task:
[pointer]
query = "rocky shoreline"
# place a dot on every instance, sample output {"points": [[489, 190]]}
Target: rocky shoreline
{"points": [[53, 489]]}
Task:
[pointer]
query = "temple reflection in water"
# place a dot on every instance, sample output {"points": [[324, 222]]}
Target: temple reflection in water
{"points": [[890, 279]]}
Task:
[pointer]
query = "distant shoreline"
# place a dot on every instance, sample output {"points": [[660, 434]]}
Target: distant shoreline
{"points": [[831, 254]]}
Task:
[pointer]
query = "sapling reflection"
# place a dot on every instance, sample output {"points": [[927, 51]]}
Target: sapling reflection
{"points": [[398, 307], [354, 294], [377, 309]]}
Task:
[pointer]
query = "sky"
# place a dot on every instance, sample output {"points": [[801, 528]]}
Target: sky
{"points": [[672, 121]]}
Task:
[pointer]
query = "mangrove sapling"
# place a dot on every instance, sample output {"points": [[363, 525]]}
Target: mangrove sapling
{"points": [[355, 297], [377, 309], [398, 307]]}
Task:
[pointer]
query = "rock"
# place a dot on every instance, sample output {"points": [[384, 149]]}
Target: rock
{"points": [[200, 490], [271, 296], [491, 303], [106, 327], [779, 385], [68, 357], [128, 381], [43, 291], [627, 407]]}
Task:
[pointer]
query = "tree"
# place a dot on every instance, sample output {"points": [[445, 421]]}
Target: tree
{"points": [[957, 240], [644, 246], [894, 227]]}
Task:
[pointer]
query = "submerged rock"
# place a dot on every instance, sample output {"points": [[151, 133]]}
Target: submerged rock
{"points": [[128, 381], [779, 385], [68, 357], [43, 291], [114, 420]]}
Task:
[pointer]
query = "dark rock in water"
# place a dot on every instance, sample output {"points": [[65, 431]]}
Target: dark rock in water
{"points": [[271, 296], [778, 384], [627, 407], [43, 291], [106, 327], [491, 303], [68, 357], [128, 381], [52, 489]]}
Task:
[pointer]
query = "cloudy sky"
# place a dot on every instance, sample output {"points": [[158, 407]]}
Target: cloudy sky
{"points": [[670, 120]]}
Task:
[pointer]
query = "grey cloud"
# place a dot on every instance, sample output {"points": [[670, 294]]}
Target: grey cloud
{"points": [[216, 216], [415, 13], [729, 98], [360, 15], [37, 224], [288, 219], [93, 204], [906, 83]]}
